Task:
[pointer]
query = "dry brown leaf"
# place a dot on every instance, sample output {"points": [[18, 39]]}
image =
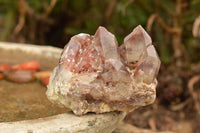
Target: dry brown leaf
{"points": [[150, 22], [152, 124], [195, 29], [161, 22], [194, 95]]}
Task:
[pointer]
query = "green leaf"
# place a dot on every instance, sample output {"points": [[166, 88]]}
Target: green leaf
{"points": [[8, 25]]}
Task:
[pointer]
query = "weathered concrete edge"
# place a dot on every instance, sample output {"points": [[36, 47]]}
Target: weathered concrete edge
{"points": [[66, 123], [48, 51]]}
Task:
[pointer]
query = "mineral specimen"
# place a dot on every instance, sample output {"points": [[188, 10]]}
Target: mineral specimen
{"points": [[95, 75]]}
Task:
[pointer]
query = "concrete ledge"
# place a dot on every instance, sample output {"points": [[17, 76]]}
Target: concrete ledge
{"points": [[66, 123]]}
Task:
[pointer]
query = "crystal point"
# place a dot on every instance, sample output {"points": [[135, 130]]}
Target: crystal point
{"points": [[135, 43], [107, 42], [94, 75], [148, 66]]}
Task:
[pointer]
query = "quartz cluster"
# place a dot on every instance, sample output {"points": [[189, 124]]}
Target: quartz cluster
{"points": [[95, 75]]}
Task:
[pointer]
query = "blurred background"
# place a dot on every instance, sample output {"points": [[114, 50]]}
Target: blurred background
{"points": [[174, 26]]}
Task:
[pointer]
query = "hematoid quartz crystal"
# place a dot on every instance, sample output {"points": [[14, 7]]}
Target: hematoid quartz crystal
{"points": [[95, 75]]}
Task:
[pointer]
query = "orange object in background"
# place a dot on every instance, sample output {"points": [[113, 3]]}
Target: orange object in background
{"points": [[31, 65], [1, 76], [4, 67], [45, 81], [42, 74]]}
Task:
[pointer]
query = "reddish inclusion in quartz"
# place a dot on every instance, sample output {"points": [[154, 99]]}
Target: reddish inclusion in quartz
{"points": [[80, 56], [85, 53]]}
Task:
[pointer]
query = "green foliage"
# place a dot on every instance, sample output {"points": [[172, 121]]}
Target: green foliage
{"points": [[7, 14], [70, 17], [8, 25]]}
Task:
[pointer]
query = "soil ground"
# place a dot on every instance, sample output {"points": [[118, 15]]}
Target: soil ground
{"points": [[25, 101]]}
